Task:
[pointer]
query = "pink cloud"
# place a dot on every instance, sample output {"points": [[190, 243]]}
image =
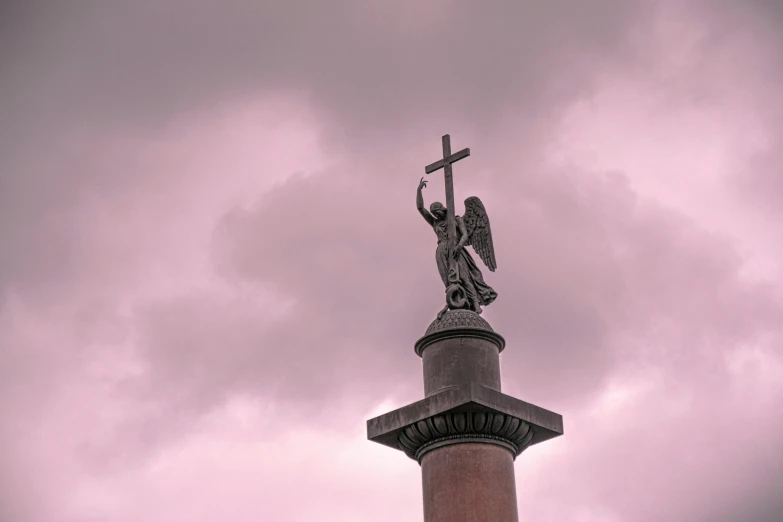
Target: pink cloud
{"points": [[212, 271]]}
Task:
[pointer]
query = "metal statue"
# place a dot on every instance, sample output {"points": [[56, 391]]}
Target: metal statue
{"points": [[465, 286]]}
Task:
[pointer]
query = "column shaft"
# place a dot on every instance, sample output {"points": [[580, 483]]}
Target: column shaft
{"points": [[469, 482]]}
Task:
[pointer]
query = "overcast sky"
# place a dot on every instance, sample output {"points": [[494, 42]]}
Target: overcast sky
{"points": [[212, 271]]}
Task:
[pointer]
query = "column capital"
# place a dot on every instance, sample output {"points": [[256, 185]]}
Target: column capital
{"points": [[467, 413], [459, 324], [484, 426]]}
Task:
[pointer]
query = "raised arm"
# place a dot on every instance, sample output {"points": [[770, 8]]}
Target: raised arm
{"points": [[420, 204]]}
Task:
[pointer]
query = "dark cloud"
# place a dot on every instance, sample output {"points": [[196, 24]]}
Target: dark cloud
{"points": [[375, 67], [371, 71], [317, 293]]}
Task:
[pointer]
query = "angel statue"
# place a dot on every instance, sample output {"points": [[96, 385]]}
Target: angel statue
{"points": [[465, 286]]}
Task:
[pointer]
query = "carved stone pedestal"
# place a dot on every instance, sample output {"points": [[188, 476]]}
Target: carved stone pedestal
{"points": [[465, 433]]}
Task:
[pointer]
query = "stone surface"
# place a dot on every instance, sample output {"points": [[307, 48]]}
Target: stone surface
{"points": [[480, 427], [454, 361], [458, 319], [471, 397], [469, 483], [459, 324]]}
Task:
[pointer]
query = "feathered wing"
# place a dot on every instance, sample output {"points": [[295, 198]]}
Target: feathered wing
{"points": [[479, 231]]}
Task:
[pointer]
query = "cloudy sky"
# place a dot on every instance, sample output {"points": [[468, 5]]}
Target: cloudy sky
{"points": [[212, 271]]}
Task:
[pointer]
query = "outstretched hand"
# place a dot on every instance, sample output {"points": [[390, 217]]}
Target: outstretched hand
{"points": [[422, 183]]}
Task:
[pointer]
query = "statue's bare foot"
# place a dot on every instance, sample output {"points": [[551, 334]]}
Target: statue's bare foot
{"points": [[445, 309], [479, 310]]}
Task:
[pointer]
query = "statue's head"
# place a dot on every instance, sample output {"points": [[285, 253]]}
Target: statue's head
{"points": [[438, 210]]}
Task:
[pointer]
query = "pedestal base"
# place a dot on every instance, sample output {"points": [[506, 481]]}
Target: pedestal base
{"points": [[465, 434], [469, 482]]}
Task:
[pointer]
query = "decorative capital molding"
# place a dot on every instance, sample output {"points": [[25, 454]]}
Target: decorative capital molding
{"points": [[467, 413], [457, 428], [458, 319], [459, 323]]}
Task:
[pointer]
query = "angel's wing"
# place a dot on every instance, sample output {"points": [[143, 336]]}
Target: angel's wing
{"points": [[479, 232]]}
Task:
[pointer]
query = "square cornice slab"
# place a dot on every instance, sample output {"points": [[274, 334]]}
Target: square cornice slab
{"points": [[470, 397]]}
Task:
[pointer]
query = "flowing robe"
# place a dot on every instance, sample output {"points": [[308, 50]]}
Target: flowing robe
{"points": [[477, 291]]}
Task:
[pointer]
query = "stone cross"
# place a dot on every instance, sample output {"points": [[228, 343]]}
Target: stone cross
{"points": [[445, 164]]}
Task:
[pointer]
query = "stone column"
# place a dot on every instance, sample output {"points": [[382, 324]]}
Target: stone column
{"points": [[466, 476], [465, 434], [469, 481]]}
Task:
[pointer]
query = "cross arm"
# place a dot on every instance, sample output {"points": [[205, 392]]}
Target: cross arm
{"points": [[464, 153]]}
